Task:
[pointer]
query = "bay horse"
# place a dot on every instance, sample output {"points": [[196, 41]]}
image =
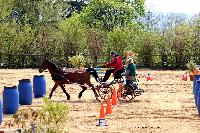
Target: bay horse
{"points": [[69, 76]]}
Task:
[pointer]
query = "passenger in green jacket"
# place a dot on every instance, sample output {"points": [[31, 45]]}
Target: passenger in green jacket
{"points": [[131, 73]]}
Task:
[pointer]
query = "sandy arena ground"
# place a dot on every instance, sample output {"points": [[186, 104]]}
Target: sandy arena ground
{"points": [[166, 106]]}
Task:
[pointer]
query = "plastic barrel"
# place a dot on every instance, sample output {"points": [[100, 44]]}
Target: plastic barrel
{"points": [[25, 92], [196, 77], [1, 111], [10, 100], [197, 88], [198, 102], [39, 86]]}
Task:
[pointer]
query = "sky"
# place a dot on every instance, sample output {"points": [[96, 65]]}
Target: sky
{"points": [[175, 6]]}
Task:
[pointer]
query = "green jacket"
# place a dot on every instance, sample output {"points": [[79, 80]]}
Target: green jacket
{"points": [[131, 72]]}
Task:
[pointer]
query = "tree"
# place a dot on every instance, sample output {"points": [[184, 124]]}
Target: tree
{"points": [[196, 46], [72, 36], [107, 14]]}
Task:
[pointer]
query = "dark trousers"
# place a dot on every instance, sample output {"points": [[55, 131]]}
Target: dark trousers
{"points": [[117, 75], [132, 84]]}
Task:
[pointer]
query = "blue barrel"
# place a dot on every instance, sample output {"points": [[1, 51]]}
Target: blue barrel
{"points": [[25, 92], [198, 102], [196, 77], [197, 88], [10, 100], [1, 111], [39, 86]]}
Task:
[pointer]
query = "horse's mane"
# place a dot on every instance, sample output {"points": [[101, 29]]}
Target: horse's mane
{"points": [[53, 65]]}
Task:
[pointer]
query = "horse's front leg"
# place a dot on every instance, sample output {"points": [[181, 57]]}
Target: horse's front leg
{"points": [[63, 88], [55, 86], [80, 94]]}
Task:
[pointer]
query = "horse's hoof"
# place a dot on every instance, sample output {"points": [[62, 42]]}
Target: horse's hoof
{"points": [[68, 98], [79, 96]]}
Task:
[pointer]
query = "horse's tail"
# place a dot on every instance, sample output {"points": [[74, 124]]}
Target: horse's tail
{"points": [[93, 72]]}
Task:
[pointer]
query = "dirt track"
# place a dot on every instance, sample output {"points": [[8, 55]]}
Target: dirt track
{"points": [[166, 106]]}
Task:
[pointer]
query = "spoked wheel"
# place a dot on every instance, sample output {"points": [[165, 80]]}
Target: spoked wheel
{"points": [[103, 92], [126, 94]]}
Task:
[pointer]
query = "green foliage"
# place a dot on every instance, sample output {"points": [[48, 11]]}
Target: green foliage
{"points": [[96, 44], [24, 39], [6, 7], [27, 11], [77, 60], [50, 11], [72, 36], [8, 36], [45, 41], [195, 47], [122, 39], [147, 49], [191, 66], [51, 118], [178, 44], [108, 14], [76, 6], [116, 40]]}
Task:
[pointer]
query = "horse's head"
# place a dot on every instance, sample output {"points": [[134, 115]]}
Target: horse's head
{"points": [[47, 64], [44, 65]]}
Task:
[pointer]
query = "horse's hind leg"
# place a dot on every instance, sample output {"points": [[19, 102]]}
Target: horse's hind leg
{"points": [[63, 88], [93, 89], [80, 94], [55, 86]]}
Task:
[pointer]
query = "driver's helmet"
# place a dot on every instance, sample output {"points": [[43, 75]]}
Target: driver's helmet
{"points": [[113, 53]]}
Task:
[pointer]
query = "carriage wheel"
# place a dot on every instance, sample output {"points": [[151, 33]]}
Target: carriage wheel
{"points": [[126, 94], [103, 92]]}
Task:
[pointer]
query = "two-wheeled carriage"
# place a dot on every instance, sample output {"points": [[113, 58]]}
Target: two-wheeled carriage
{"points": [[124, 92]]}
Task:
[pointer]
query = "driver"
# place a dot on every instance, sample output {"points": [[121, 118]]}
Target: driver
{"points": [[116, 65]]}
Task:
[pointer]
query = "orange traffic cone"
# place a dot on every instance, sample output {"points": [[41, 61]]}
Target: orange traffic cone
{"points": [[114, 97], [108, 106], [102, 121], [102, 113]]}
